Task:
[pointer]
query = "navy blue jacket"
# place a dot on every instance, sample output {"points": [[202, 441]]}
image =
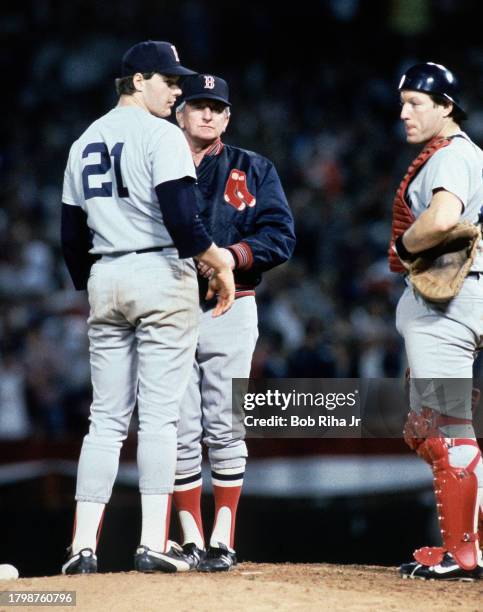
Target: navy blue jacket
{"points": [[250, 216]]}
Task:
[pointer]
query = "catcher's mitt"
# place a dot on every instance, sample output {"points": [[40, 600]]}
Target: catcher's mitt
{"points": [[438, 273]]}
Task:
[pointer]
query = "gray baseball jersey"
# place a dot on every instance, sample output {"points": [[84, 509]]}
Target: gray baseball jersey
{"points": [[143, 321], [111, 174], [441, 339], [456, 168]]}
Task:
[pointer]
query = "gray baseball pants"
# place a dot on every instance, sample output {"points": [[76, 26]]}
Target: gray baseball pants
{"points": [[224, 351], [441, 343], [143, 328], [442, 339]]}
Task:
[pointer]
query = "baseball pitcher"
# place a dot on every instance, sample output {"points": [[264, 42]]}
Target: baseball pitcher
{"points": [[130, 226]]}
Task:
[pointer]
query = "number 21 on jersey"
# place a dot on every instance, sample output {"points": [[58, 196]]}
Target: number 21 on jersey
{"points": [[105, 190]]}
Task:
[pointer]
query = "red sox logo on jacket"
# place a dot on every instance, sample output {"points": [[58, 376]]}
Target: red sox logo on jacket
{"points": [[236, 191]]}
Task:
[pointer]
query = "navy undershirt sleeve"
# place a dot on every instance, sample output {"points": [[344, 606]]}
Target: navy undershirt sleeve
{"points": [[179, 206], [76, 241]]}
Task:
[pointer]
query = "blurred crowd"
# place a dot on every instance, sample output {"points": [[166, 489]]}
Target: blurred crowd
{"points": [[324, 110]]}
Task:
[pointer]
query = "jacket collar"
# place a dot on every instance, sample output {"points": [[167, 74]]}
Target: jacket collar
{"points": [[216, 148]]}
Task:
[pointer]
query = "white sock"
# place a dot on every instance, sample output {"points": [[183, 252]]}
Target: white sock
{"points": [[190, 530], [222, 529], [88, 517], [155, 521]]}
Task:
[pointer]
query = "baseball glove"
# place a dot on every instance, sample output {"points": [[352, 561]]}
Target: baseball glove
{"points": [[438, 273]]}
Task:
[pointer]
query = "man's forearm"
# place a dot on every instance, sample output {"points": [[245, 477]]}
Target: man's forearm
{"points": [[434, 223], [422, 234]]}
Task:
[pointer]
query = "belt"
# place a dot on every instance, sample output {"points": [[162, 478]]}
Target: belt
{"points": [[154, 249], [139, 251]]}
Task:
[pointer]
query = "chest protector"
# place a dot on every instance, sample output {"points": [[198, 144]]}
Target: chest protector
{"points": [[402, 216]]}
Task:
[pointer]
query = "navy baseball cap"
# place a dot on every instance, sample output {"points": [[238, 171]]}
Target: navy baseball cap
{"points": [[205, 87], [153, 56]]}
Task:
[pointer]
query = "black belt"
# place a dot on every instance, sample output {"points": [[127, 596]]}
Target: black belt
{"points": [[153, 249], [148, 250]]}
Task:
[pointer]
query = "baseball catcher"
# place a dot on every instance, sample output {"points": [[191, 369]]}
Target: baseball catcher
{"points": [[436, 242]]}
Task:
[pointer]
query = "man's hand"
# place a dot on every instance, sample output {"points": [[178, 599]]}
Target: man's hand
{"points": [[207, 271], [222, 283]]}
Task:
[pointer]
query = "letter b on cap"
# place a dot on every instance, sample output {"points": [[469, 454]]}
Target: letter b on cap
{"points": [[209, 82]]}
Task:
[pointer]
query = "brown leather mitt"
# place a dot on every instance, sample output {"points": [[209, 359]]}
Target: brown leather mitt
{"points": [[438, 273]]}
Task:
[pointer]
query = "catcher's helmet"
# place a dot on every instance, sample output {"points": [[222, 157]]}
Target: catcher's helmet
{"points": [[433, 79]]}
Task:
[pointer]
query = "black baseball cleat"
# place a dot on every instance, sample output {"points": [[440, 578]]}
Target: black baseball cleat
{"points": [[448, 569], [83, 562], [193, 554], [173, 560], [218, 559]]}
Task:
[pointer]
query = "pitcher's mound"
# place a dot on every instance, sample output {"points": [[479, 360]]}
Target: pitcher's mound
{"points": [[259, 587]]}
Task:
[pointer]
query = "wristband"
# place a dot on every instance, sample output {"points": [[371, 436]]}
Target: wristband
{"points": [[402, 251]]}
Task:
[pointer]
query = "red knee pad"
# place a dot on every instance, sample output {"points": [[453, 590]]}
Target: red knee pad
{"points": [[426, 425], [418, 428]]}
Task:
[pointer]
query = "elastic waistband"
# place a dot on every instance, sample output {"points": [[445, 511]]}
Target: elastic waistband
{"points": [[243, 292]]}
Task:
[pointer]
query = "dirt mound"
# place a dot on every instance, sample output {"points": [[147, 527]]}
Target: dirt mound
{"points": [[259, 587]]}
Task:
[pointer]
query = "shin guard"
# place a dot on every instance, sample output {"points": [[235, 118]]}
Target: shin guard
{"points": [[456, 491]]}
